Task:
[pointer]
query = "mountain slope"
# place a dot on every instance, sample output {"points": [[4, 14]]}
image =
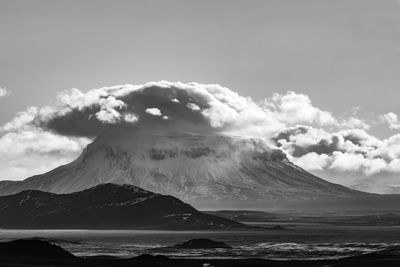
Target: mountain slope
{"points": [[106, 206], [195, 168]]}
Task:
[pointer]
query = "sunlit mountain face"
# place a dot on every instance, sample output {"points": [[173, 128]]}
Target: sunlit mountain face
{"points": [[205, 170]]}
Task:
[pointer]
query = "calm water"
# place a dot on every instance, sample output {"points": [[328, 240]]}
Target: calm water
{"points": [[295, 242]]}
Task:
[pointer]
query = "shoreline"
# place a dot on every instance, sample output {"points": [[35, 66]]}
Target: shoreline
{"points": [[35, 252], [374, 259]]}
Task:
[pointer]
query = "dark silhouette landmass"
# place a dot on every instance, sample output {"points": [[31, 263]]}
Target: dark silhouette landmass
{"points": [[42, 253], [106, 206], [33, 248]]}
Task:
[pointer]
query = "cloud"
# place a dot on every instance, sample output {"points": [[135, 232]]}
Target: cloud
{"points": [[26, 149], [155, 106], [392, 120], [57, 133], [4, 92], [193, 107], [166, 106], [108, 110], [33, 151], [313, 138], [313, 161], [293, 108], [347, 151], [130, 118], [153, 111]]}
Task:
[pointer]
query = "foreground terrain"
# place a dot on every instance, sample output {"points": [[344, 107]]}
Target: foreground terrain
{"points": [[42, 253]]}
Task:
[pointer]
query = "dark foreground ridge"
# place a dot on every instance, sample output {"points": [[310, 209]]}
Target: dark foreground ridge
{"points": [[41, 253], [106, 206]]}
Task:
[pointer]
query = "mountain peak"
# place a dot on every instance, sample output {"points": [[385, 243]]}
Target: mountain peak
{"points": [[205, 170]]}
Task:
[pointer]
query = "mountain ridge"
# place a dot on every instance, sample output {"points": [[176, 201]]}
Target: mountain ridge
{"points": [[196, 168], [105, 206]]}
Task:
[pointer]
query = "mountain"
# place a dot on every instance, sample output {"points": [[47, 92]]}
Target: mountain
{"points": [[106, 206], [203, 170]]}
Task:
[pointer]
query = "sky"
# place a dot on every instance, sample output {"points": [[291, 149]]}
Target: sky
{"points": [[339, 57]]}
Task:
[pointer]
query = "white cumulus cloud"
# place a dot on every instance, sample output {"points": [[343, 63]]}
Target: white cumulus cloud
{"points": [[392, 120], [4, 92], [153, 111], [313, 138], [29, 151]]}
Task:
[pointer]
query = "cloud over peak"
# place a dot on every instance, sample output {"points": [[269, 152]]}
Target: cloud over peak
{"points": [[313, 138], [156, 105], [190, 107]]}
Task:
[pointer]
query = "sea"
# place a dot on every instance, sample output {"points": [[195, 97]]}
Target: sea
{"points": [[293, 241]]}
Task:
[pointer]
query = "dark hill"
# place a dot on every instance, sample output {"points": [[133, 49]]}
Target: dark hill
{"points": [[106, 206], [34, 249]]}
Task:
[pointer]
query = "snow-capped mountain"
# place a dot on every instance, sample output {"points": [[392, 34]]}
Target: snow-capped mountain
{"points": [[197, 168]]}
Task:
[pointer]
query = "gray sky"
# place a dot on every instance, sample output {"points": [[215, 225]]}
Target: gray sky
{"points": [[343, 55], [340, 53]]}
